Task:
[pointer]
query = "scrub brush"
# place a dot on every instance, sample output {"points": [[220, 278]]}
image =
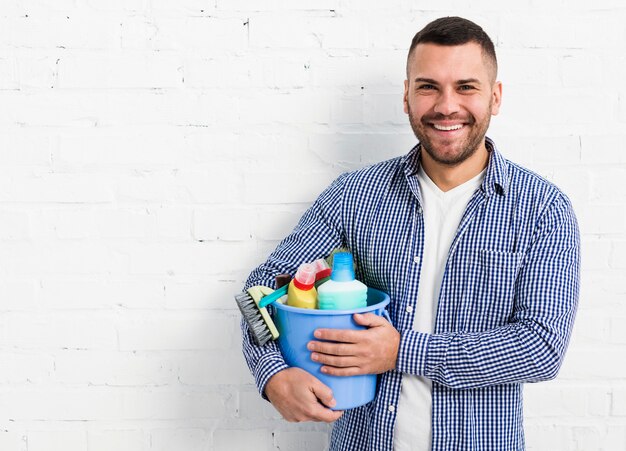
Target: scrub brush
{"points": [[252, 306]]}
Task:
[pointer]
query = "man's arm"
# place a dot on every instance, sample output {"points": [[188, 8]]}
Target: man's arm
{"points": [[318, 232], [528, 349]]}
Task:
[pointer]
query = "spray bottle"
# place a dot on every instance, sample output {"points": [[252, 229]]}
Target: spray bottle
{"points": [[301, 291], [322, 272], [342, 291]]}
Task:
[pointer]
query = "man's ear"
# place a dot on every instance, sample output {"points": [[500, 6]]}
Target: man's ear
{"points": [[496, 98], [406, 96]]}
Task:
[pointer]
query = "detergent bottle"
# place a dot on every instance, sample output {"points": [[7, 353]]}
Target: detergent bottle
{"points": [[342, 291], [301, 291], [322, 271]]}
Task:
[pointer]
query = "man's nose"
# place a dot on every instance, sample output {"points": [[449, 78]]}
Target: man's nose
{"points": [[447, 102]]}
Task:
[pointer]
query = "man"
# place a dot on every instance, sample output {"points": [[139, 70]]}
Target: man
{"points": [[479, 256]]}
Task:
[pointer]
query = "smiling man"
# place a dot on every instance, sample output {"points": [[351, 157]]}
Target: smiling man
{"points": [[480, 258]]}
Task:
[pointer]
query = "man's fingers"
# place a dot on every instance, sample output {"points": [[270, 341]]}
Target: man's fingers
{"points": [[342, 335], [323, 393], [369, 319], [341, 349], [348, 371]]}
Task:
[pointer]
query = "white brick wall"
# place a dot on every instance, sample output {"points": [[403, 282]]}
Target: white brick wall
{"points": [[154, 151]]}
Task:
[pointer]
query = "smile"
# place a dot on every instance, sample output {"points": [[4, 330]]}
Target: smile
{"points": [[448, 127]]}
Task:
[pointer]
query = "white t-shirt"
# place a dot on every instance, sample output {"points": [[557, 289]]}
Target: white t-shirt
{"points": [[442, 214]]}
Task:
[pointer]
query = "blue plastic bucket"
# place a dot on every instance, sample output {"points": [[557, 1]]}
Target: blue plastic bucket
{"points": [[296, 327]]}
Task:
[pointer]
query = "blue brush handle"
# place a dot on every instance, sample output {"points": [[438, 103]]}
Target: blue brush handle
{"points": [[272, 297]]}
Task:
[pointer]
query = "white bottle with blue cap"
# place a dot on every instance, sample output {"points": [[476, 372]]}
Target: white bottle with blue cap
{"points": [[342, 291]]}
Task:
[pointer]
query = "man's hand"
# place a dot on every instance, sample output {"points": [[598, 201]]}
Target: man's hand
{"points": [[299, 396], [370, 351]]}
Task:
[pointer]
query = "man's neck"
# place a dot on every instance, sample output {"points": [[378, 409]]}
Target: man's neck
{"points": [[447, 177]]}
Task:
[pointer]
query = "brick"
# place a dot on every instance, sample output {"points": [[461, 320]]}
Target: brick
{"points": [[75, 292], [578, 68], [304, 441], [201, 369], [40, 145], [119, 149], [209, 34], [587, 437], [276, 224], [14, 226], [59, 188], [190, 258], [17, 294], [117, 5], [540, 436], [60, 404], [351, 151], [253, 407], [57, 440], [552, 399], [592, 328], [202, 293], [70, 31], [124, 223], [302, 189], [25, 368], [79, 258], [615, 437], [591, 363], [287, 108], [597, 254], [528, 67], [283, 32], [602, 149], [112, 368], [60, 331], [173, 222], [275, 5], [8, 77], [13, 441], [619, 402], [601, 219], [618, 259], [178, 331], [120, 70], [607, 186], [223, 224], [177, 404], [117, 439], [184, 438], [618, 331], [257, 439]]}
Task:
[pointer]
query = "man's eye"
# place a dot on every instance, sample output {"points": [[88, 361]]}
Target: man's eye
{"points": [[466, 87], [426, 87]]}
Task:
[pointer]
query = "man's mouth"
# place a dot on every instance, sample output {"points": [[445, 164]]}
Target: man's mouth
{"points": [[447, 128]]}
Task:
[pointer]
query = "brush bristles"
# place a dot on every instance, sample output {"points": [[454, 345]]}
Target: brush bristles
{"points": [[251, 314]]}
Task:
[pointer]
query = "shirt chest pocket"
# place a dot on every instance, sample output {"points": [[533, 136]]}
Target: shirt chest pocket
{"points": [[494, 293]]}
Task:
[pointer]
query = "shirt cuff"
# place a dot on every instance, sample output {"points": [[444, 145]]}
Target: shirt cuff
{"points": [[267, 366], [412, 352]]}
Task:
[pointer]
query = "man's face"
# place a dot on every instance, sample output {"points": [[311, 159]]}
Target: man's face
{"points": [[450, 96]]}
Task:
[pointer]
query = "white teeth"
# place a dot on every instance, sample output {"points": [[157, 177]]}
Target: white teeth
{"points": [[451, 127]]}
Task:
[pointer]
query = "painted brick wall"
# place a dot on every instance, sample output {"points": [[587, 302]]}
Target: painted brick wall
{"points": [[154, 151]]}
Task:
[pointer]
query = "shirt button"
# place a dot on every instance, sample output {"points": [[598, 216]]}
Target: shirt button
{"points": [[409, 309], [416, 259], [391, 408]]}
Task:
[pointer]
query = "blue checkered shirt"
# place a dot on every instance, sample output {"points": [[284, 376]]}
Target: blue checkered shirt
{"points": [[505, 312]]}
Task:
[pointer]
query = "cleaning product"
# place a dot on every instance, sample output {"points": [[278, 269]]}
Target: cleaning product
{"points": [[342, 291], [322, 271], [301, 292], [252, 305]]}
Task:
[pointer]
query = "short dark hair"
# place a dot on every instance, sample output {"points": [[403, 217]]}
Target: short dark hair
{"points": [[455, 31]]}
